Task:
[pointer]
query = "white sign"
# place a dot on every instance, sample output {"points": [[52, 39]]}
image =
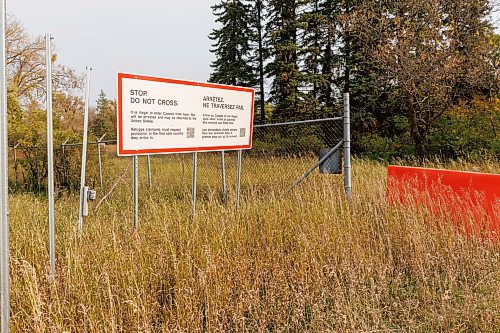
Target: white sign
{"points": [[161, 116]]}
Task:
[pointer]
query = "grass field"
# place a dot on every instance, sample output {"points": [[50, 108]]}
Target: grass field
{"points": [[306, 262]]}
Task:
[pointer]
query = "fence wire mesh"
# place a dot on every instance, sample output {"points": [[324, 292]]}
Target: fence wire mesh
{"points": [[281, 154]]}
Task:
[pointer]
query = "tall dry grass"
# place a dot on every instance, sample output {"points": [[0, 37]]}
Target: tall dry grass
{"points": [[306, 262]]}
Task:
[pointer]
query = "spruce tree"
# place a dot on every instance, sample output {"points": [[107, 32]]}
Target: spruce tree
{"points": [[105, 120], [102, 102], [331, 59], [283, 68], [260, 53], [232, 44], [312, 20]]}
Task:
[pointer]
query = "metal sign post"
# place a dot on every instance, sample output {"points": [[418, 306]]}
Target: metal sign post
{"points": [[50, 156], [150, 180], [4, 186], [195, 171], [347, 146], [238, 177], [135, 189], [223, 175], [83, 192], [99, 159]]}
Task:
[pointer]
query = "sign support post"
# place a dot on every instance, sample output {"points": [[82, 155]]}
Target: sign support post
{"points": [[135, 188], [50, 156], [238, 177], [83, 193], [150, 180], [193, 186], [223, 175], [4, 187]]}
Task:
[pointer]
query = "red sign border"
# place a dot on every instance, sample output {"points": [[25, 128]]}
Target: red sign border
{"points": [[123, 152]]}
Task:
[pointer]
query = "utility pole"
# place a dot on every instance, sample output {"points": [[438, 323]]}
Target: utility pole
{"points": [[4, 186]]}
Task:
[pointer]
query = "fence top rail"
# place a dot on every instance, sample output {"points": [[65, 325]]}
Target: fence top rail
{"points": [[65, 144], [111, 142], [20, 146], [299, 122]]}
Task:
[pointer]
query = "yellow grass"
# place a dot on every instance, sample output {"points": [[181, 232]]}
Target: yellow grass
{"points": [[306, 262]]}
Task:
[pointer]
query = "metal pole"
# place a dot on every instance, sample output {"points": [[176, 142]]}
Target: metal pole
{"points": [[135, 184], [223, 175], [347, 146], [15, 152], [195, 170], [337, 147], [84, 150], [238, 177], [111, 142], [65, 172], [150, 181], [300, 122], [99, 159], [50, 156], [39, 181], [4, 186], [15, 164]]}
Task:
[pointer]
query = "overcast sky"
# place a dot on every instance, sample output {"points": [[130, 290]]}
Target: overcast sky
{"points": [[154, 37]]}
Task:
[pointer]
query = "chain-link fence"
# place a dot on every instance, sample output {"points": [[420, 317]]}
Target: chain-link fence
{"points": [[283, 153], [28, 166]]}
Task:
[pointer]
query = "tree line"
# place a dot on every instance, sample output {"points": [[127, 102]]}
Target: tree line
{"points": [[26, 77], [423, 75]]}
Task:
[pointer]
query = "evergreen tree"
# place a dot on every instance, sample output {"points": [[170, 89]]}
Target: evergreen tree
{"points": [[312, 20], [102, 102], [283, 68], [260, 54], [105, 120], [232, 47], [331, 59]]}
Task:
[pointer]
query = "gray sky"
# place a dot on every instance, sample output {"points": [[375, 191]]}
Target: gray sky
{"points": [[155, 37]]}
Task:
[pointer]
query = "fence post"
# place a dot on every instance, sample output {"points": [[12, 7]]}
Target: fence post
{"points": [[65, 171], [15, 163], [99, 159], [50, 156], [38, 180], [347, 146], [84, 151]]}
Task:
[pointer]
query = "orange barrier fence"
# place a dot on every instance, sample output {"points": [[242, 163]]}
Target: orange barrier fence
{"points": [[468, 198]]}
